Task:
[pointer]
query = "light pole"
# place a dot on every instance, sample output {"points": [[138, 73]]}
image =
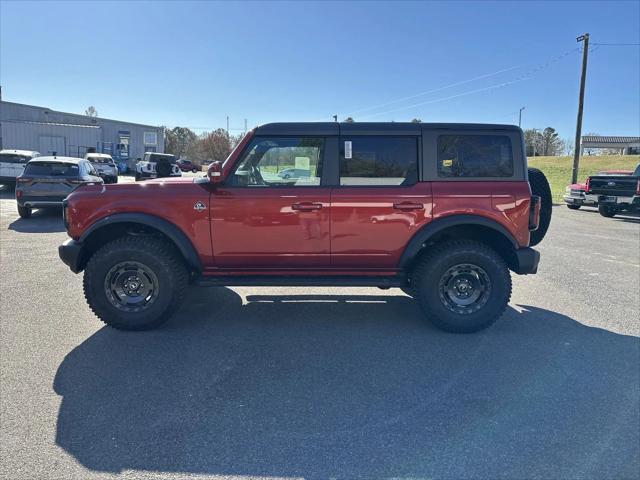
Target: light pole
{"points": [[520, 117]]}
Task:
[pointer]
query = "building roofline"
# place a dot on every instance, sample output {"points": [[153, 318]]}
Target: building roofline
{"points": [[82, 116]]}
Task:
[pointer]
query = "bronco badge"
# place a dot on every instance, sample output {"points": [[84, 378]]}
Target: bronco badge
{"points": [[199, 207]]}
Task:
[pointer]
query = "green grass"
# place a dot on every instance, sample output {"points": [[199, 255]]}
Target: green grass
{"points": [[558, 169]]}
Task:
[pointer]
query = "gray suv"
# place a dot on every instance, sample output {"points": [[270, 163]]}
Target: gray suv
{"points": [[47, 181]]}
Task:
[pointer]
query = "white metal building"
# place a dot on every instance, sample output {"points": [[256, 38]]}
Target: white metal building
{"points": [[29, 127]]}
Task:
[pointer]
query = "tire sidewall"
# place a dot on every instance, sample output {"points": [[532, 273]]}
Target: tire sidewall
{"points": [[154, 314], [429, 291]]}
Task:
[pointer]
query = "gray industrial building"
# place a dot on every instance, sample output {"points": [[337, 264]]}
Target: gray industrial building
{"points": [[28, 127]]}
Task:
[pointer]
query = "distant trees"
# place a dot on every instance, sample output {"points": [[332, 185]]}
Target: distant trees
{"points": [[179, 140], [542, 143], [416, 120], [349, 120], [91, 111], [200, 149]]}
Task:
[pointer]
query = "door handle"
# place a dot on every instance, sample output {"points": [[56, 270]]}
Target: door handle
{"points": [[306, 206], [407, 206]]}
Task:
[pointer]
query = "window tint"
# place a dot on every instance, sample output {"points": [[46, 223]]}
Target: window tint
{"points": [[13, 158], [281, 161], [378, 160], [475, 156], [52, 169]]}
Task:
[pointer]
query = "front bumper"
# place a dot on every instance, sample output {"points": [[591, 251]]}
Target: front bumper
{"points": [[526, 261], [71, 254]]}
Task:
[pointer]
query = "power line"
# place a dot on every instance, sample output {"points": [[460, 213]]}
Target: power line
{"points": [[491, 87], [523, 77], [618, 44], [486, 75]]}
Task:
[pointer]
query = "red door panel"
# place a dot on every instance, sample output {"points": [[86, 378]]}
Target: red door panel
{"points": [[270, 228], [370, 226], [505, 202]]}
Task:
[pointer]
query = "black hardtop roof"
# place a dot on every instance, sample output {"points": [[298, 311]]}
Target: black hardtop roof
{"points": [[370, 128]]}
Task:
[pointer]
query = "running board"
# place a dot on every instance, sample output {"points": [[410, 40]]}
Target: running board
{"points": [[299, 281]]}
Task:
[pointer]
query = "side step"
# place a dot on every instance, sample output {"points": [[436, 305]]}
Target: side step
{"points": [[298, 281]]}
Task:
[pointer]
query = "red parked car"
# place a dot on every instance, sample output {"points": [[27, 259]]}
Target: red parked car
{"points": [[442, 211], [187, 165]]}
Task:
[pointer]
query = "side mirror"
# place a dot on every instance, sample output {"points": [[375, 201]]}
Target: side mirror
{"points": [[214, 172]]}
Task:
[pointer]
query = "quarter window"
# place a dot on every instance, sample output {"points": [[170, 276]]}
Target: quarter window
{"points": [[281, 161], [375, 161], [475, 156]]}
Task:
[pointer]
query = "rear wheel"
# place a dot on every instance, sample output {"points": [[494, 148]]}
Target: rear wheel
{"points": [[24, 212], [608, 211], [462, 286], [540, 186], [137, 177], [135, 283], [573, 207]]}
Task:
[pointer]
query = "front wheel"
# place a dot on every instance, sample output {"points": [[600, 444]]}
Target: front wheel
{"points": [[137, 177], [573, 207], [462, 286], [135, 283], [24, 212], [608, 211]]}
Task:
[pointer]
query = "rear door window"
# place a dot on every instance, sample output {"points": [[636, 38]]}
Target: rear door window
{"points": [[475, 156], [378, 161], [52, 169], [12, 158]]}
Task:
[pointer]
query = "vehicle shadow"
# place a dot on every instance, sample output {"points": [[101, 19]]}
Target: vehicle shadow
{"points": [[332, 386], [44, 220]]}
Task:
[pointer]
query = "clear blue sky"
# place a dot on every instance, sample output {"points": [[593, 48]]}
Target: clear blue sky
{"points": [[191, 64]]}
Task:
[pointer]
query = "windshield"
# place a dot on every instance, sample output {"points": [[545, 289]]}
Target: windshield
{"points": [[636, 172], [100, 159], [13, 158], [52, 169]]}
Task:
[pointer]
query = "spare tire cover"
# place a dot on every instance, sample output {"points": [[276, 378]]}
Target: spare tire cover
{"points": [[163, 168]]}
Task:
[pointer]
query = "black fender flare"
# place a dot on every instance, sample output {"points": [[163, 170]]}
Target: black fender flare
{"points": [[177, 236], [434, 227]]}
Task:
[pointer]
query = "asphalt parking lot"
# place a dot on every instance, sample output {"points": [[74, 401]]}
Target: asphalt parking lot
{"points": [[325, 383]]}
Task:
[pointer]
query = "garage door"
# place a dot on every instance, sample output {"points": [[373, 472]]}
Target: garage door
{"points": [[52, 145]]}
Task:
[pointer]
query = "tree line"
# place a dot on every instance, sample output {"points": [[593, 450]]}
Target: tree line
{"points": [[200, 149]]}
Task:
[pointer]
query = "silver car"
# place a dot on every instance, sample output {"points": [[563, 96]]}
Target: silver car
{"points": [[47, 181]]}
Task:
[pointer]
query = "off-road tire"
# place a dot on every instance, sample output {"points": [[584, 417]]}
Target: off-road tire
{"points": [[608, 211], [574, 207], [160, 257], [433, 266], [540, 186], [24, 212]]}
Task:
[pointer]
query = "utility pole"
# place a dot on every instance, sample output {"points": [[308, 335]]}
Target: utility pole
{"points": [[227, 126], [335, 118], [520, 117], [583, 76], [245, 126]]}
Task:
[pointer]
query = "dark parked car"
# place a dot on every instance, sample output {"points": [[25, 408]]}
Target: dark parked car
{"points": [[47, 181]]}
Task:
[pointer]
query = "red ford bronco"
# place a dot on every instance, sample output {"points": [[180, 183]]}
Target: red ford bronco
{"points": [[442, 211]]}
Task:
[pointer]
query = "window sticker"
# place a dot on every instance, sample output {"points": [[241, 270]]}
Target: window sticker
{"points": [[348, 149]]}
